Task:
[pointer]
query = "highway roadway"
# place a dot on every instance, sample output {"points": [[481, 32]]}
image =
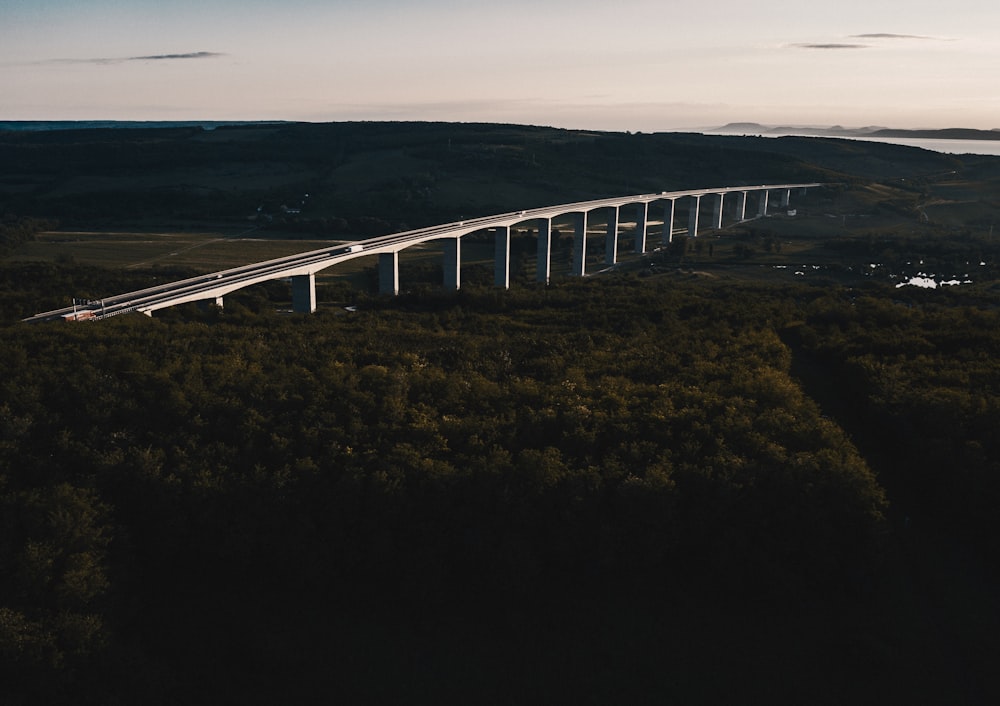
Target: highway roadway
{"points": [[217, 284]]}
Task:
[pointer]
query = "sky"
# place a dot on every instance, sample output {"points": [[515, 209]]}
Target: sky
{"points": [[623, 65]]}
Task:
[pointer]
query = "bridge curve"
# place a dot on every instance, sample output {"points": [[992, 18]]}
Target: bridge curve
{"points": [[302, 268]]}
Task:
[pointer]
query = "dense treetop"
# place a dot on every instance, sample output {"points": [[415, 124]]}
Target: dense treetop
{"points": [[444, 454]]}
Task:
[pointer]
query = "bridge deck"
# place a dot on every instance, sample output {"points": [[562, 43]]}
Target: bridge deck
{"points": [[218, 284]]}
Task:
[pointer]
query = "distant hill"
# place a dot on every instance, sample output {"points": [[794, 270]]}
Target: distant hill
{"points": [[45, 125], [947, 134], [395, 174], [870, 131]]}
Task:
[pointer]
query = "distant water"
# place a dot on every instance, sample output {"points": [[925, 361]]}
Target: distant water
{"points": [[990, 147]]}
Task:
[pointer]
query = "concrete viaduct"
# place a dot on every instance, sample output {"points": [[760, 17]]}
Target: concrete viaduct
{"points": [[301, 269]]}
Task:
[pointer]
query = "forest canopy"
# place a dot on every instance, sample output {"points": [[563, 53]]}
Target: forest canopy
{"points": [[163, 479]]}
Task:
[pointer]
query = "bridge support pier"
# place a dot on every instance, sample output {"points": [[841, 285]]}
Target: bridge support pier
{"points": [[388, 273], [580, 244], [693, 216], [741, 206], [641, 213], [304, 293], [668, 221], [762, 203], [453, 264], [218, 302], [611, 239], [543, 269], [717, 211], [786, 198], [501, 254]]}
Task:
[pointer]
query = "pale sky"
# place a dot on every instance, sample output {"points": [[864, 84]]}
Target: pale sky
{"points": [[638, 65]]}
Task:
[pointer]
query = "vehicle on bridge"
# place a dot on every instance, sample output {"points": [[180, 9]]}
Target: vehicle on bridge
{"points": [[81, 315]]}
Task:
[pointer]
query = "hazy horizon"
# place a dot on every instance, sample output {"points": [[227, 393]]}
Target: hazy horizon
{"points": [[630, 66], [779, 126]]}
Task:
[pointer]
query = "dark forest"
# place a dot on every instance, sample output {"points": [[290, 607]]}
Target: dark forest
{"points": [[647, 486]]}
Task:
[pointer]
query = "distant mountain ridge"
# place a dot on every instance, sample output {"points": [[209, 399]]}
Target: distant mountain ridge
{"points": [[737, 128], [45, 125], [870, 131]]}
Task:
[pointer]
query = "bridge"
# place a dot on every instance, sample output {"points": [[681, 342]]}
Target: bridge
{"points": [[301, 269]]}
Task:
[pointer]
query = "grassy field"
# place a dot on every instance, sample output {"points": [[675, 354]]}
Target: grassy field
{"points": [[202, 250]]}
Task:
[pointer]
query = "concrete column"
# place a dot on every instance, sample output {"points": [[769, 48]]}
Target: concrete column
{"points": [[580, 244], [741, 200], [717, 211], [693, 217], [388, 273], [762, 203], [786, 198], [668, 221], [544, 267], [611, 240], [641, 211], [501, 254], [218, 302], [453, 264], [304, 293]]}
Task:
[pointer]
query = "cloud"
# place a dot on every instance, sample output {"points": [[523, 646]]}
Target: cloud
{"points": [[867, 36], [828, 45], [191, 55], [888, 35], [151, 57]]}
